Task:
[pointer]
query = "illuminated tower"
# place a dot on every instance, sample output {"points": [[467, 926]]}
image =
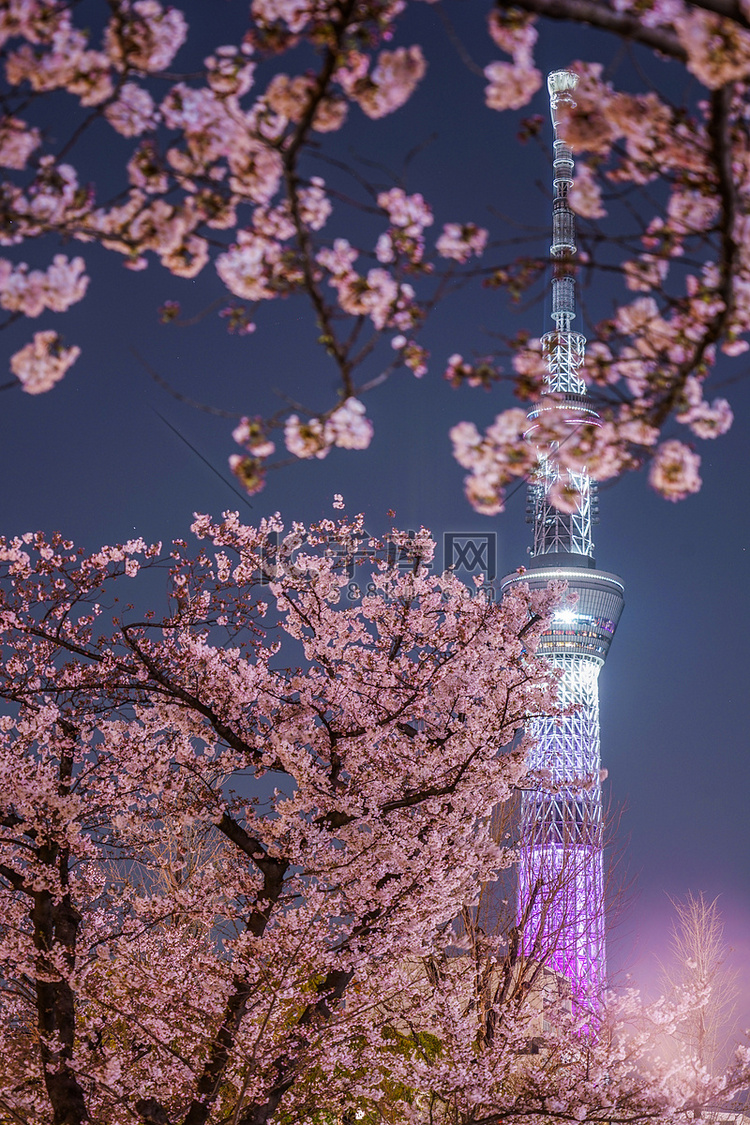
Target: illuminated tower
{"points": [[561, 877]]}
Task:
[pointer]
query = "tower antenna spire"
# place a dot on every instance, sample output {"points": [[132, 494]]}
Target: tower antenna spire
{"points": [[560, 85], [556, 530], [561, 893]]}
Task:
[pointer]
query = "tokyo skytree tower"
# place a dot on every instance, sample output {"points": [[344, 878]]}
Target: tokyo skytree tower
{"points": [[561, 893]]}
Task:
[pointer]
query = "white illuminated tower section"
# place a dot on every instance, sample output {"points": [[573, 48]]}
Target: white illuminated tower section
{"points": [[561, 873]]}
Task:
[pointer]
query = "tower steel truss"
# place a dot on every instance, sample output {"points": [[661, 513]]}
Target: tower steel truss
{"points": [[561, 893]]}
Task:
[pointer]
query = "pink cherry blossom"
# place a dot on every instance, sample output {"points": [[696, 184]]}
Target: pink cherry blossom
{"points": [[222, 175], [229, 72], [339, 259], [188, 258], [294, 13], [68, 63], [585, 195], [395, 77], [251, 434], [564, 495], [460, 241], [690, 212], [17, 142], [511, 86], [388, 751], [346, 427], [674, 471], [481, 374], [413, 355], [269, 807], [42, 363], [54, 198], [306, 439], [31, 292], [514, 33], [250, 472], [587, 125], [646, 273], [718, 51], [408, 215], [706, 421], [291, 96], [390, 84], [145, 36], [530, 363], [409, 212], [146, 170], [639, 315], [330, 114], [375, 296], [494, 459], [315, 206], [349, 427], [255, 170], [133, 111], [249, 267]]}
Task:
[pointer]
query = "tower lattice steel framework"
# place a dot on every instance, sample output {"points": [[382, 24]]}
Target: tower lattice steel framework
{"points": [[561, 894]]}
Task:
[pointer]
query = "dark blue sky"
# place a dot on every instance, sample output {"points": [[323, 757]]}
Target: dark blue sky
{"points": [[94, 459]]}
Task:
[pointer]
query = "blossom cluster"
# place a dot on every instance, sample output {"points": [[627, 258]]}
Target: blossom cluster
{"points": [[460, 241], [495, 459], [377, 295], [408, 216], [31, 292], [216, 175], [651, 361], [459, 371], [250, 470], [43, 362], [388, 85], [388, 752], [246, 910], [346, 427], [221, 153], [512, 85]]}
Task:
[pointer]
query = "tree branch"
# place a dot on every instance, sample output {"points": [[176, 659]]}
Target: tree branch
{"points": [[600, 15], [729, 9], [188, 698], [721, 156], [304, 242], [274, 870]]}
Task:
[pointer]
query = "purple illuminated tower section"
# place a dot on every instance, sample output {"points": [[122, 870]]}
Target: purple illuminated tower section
{"points": [[561, 873]]}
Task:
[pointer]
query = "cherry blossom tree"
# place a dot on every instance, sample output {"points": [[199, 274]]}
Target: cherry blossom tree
{"points": [[202, 849], [228, 884], [488, 1047], [220, 173]]}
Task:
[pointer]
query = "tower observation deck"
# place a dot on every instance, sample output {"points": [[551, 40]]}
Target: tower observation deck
{"points": [[561, 892]]}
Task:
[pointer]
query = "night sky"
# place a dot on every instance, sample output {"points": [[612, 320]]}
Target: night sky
{"points": [[96, 458]]}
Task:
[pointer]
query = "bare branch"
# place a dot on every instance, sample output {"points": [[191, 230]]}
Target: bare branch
{"points": [[600, 15]]}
